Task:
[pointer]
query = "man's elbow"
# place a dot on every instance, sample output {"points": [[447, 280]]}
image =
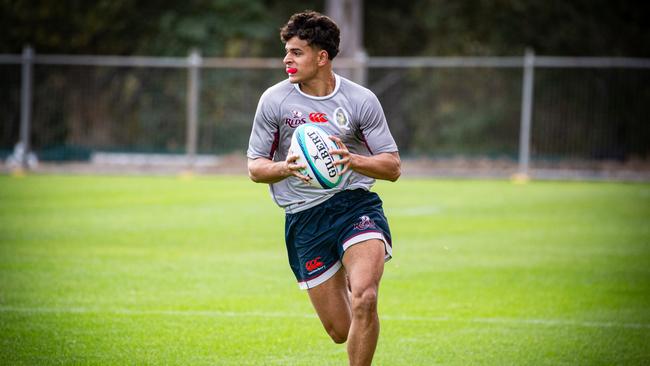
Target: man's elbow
{"points": [[395, 174], [256, 176], [252, 176], [252, 171], [396, 170]]}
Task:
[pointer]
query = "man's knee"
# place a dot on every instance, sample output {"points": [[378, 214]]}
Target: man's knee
{"points": [[337, 336], [364, 301]]}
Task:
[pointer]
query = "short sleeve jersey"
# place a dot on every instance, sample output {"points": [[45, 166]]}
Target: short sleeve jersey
{"points": [[351, 112]]}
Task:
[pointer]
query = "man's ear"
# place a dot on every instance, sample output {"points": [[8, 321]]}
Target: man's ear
{"points": [[323, 57]]}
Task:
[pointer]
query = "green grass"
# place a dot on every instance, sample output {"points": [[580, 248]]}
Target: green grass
{"points": [[141, 270]]}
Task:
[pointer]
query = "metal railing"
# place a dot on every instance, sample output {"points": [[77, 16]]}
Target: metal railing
{"points": [[194, 63]]}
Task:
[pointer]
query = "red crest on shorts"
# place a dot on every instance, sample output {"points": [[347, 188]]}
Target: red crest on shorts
{"points": [[314, 264]]}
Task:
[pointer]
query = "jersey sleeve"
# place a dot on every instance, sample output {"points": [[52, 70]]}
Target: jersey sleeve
{"points": [[265, 133], [374, 128]]}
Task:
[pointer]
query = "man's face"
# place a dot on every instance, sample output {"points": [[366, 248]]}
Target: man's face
{"points": [[303, 58]]}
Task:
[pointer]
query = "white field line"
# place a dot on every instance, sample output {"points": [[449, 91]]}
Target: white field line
{"points": [[261, 314]]}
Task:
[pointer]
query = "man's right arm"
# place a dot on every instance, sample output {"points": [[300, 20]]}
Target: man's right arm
{"points": [[263, 142], [262, 170]]}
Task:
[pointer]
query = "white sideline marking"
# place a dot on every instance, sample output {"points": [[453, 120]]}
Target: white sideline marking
{"points": [[259, 314], [519, 321]]}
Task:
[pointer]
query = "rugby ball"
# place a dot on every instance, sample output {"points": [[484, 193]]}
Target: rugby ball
{"points": [[312, 145]]}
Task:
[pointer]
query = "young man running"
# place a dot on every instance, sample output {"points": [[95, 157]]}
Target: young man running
{"points": [[337, 239]]}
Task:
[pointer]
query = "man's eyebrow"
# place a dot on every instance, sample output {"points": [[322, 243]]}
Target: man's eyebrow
{"points": [[293, 49]]}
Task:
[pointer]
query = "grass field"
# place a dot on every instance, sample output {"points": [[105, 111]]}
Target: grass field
{"points": [[166, 271]]}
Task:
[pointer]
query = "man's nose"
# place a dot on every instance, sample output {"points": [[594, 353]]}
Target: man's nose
{"points": [[287, 59]]}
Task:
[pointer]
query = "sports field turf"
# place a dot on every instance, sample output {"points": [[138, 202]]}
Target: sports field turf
{"points": [[166, 271]]}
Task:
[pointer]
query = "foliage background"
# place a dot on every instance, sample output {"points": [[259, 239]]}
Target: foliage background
{"points": [[584, 114]]}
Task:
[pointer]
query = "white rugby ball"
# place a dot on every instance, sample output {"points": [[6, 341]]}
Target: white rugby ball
{"points": [[312, 145]]}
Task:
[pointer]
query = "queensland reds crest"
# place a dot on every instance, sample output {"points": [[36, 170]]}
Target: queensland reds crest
{"points": [[364, 223], [342, 119]]}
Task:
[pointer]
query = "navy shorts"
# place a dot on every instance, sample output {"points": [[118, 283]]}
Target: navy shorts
{"points": [[317, 237]]}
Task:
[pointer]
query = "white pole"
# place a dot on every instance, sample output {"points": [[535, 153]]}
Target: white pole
{"points": [[526, 115], [193, 87], [348, 14], [26, 104]]}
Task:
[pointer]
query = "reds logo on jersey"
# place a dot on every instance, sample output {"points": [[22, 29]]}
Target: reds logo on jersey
{"points": [[318, 117], [295, 120]]}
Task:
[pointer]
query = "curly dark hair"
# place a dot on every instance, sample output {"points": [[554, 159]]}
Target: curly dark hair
{"points": [[315, 28]]}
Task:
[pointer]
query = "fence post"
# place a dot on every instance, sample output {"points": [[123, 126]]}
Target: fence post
{"points": [[526, 115], [193, 86], [348, 14], [361, 69], [26, 104]]}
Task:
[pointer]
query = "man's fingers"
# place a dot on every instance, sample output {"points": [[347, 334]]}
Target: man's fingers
{"points": [[302, 177], [295, 169], [296, 166], [342, 161], [338, 142], [291, 162], [345, 162]]}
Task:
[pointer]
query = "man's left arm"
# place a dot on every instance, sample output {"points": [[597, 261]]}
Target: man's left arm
{"points": [[386, 166], [383, 162]]}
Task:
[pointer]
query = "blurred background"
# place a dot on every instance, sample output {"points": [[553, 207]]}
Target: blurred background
{"points": [[543, 88]]}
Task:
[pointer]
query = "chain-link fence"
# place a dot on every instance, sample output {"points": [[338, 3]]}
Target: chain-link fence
{"points": [[581, 110]]}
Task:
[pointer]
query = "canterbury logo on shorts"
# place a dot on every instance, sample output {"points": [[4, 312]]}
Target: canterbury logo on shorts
{"points": [[314, 264]]}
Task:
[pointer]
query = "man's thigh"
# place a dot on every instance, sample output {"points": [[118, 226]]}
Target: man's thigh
{"points": [[364, 263]]}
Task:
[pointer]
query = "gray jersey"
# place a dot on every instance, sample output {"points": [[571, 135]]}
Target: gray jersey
{"points": [[351, 112]]}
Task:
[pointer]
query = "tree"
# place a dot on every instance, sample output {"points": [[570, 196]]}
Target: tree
{"points": [[506, 27]]}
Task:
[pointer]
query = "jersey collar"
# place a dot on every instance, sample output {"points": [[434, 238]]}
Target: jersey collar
{"points": [[336, 89]]}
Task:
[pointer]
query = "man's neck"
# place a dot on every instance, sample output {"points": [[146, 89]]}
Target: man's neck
{"points": [[323, 84]]}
